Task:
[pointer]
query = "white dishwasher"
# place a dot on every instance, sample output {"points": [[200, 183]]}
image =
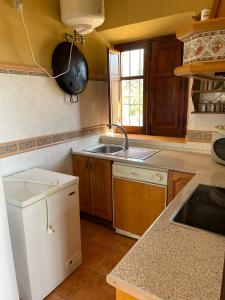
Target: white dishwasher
{"points": [[44, 221], [139, 197]]}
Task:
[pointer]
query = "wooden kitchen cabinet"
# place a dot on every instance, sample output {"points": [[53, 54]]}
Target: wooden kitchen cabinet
{"points": [[176, 182], [81, 169], [101, 188], [123, 296], [95, 185], [136, 205]]}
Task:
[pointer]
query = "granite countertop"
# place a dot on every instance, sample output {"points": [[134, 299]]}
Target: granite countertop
{"points": [[172, 261]]}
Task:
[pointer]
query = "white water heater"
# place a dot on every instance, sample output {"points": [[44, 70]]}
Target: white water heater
{"points": [[83, 15]]}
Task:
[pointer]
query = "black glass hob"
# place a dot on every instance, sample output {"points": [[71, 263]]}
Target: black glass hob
{"points": [[205, 209]]}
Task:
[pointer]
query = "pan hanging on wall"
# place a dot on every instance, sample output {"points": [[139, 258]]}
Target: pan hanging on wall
{"points": [[75, 80]]}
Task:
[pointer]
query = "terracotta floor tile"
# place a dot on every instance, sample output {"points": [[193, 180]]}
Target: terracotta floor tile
{"points": [[78, 278], [126, 245], [53, 296], [95, 289], [94, 254], [108, 237], [110, 263], [88, 231]]}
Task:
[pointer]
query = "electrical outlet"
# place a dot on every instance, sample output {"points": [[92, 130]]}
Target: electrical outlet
{"points": [[73, 260]]}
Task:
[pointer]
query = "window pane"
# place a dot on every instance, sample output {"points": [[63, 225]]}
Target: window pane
{"points": [[134, 115], [141, 115], [136, 62], [135, 91], [132, 63], [132, 102], [125, 63], [141, 92], [125, 91], [125, 115]]}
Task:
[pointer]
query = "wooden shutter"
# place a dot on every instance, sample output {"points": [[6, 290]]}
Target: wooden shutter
{"points": [[114, 86], [168, 93]]}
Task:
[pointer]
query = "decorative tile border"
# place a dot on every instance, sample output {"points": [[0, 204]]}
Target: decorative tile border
{"points": [[35, 71], [30, 144], [199, 136]]}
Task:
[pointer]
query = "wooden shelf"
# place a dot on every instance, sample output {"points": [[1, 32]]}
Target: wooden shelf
{"points": [[201, 26], [207, 91], [208, 113], [202, 70]]}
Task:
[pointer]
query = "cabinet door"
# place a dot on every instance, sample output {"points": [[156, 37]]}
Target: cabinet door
{"points": [[168, 93], [136, 205], [81, 169], [101, 188], [176, 182]]}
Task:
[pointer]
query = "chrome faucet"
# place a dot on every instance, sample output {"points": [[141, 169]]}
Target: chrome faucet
{"points": [[126, 144]]}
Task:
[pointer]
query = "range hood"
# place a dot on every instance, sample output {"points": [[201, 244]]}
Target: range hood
{"points": [[204, 50]]}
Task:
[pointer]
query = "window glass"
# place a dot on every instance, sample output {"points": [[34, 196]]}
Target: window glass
{"points": [[132, 102], [132, 65]]}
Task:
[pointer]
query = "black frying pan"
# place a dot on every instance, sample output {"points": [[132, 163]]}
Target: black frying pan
{"points": [[74, 82]]}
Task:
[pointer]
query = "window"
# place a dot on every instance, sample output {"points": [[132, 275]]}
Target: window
{"points": [[145, 96], [132, 80]]}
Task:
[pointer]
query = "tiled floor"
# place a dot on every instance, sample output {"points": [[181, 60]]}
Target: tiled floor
{"points": [[102, 249]]}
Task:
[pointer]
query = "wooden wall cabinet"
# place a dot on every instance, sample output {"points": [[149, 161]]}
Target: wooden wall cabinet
{"points": [[136, 205], [95, 185], [176, 182]]}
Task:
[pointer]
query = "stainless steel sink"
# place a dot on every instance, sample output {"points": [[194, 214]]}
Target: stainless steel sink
{"points": [[107, 149]]}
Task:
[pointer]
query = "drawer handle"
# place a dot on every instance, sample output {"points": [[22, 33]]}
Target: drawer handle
{"points": [[135, 174], [72, 193], [159, 176]]}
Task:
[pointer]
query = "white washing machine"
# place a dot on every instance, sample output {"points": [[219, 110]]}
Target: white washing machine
{"points": [[44, 220]]}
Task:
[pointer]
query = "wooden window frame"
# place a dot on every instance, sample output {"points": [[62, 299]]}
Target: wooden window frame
{"points": [[143, 44]]}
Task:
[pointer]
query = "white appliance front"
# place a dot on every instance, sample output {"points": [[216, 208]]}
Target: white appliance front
{"points": [[8, 284], [44, 258]]}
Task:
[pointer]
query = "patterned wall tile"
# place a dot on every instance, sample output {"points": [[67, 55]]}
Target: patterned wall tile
{"points": [[27, 145], [8, 149]]}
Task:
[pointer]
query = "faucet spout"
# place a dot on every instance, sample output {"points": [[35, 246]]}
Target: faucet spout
{"points": [[126, 143]]}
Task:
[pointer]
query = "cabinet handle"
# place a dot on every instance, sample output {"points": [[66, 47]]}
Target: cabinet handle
{"points": [[72, 193], [90, 164]]}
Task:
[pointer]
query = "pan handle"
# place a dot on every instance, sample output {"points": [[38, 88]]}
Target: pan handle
{"points": [[74, 98]]}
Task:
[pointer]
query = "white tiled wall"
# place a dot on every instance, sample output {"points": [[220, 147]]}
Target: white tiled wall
{"points": [[55, 158], [32, 106]]}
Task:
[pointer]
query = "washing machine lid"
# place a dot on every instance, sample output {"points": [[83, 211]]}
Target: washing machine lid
{"points": [[26, 188]]}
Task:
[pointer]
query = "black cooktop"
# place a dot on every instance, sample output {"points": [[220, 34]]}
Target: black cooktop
{"points": [[205, 209]]}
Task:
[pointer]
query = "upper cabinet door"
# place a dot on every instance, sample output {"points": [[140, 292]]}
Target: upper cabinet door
{"points": [[114, 86], [101, 188], [168, 93]]}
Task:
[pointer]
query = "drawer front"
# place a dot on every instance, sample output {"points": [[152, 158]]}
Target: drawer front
{"points": [[140, 174]]}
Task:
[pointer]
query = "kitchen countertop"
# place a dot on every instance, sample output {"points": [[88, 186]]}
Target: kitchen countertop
{"points": [[165, 160], [171, 261]]}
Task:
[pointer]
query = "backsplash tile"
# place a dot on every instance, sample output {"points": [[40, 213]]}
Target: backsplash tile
{"points": [[8, 149], [199, 136], [20, 146], [27, 145], [35, 106]]}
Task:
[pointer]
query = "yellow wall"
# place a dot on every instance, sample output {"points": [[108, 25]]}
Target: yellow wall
{"points": [[124, 12], [46, 30]]}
